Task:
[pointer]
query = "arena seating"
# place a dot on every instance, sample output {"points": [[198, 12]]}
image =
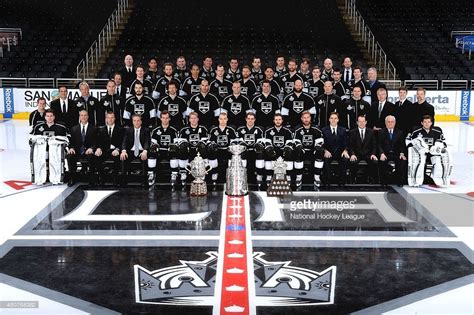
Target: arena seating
{"points": [[312, 29], [56, 35], [416, 36]]}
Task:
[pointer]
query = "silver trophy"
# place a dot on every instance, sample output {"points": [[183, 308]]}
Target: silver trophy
{"points": [[198, 168], [279, 185], [236, 176]]}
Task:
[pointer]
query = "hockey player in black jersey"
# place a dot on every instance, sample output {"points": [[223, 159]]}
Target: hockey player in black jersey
{"points": [[236, 106], [175, 105], [207, 72], [304, 71], [295, 103], [152, 74], [279, 143], [280, 68], [37, 115], [308, 143], [181, 72], [142, 105], [265, 105], [219, 140], [256, 72], [140, 77], [250, 133], [288, 79], [248, 85], [190, 85], [274, 83], [196, 136], [206, 105], [315, 86], [161, 85], [162, 139], [233, 73], [220, 86]]}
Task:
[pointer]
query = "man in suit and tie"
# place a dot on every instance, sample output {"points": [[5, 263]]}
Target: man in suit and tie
{"points": [[335, 148], [362, 146], [135, 145], [128, 71], [379, 110], [405, 112], [120, 87], [82, 145], [374, 84], [347, 74], [392, 152], [111, 138], [65, 109]]}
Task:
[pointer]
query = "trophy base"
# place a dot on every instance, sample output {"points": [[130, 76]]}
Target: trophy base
{"points": [[279, 188], [198, 189]]}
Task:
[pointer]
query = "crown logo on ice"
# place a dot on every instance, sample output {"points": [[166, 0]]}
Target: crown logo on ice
{"points": [[276, 283]]}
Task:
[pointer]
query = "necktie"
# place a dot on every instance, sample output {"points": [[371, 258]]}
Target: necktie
{"points": [[110, 132], [347, 75], [83, 137], [64, 107], [391, 134], [380, 108], [118, 90], [362, 135], [334, 132], [137, 143]]}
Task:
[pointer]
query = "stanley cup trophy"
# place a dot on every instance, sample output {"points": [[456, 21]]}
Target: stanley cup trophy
{"points": [[279, 185], [198, 168], [236, 176]]}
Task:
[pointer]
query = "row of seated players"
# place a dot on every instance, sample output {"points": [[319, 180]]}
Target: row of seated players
{"points": [[236, 105], [385, 147]]}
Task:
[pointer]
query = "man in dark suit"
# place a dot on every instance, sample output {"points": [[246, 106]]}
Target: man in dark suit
{"points": [[362, 146], [374, 84], [422, 108], [379, 110], [120, 88], [347, 72], [135, 145], [392, 150], [128, 71], [82, 145], [111, 138], [65, 109], [405, 112], [335, 148]]}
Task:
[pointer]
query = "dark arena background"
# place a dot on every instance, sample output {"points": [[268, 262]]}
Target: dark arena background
{"points": [[250, 157]]}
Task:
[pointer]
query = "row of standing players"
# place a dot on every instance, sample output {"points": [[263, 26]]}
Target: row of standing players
{"points": [[264, 105]]}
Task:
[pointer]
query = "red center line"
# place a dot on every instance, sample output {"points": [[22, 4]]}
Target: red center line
{"points": [[235, 286]]}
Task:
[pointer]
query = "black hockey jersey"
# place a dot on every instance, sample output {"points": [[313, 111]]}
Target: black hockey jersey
{"points": [[164, 137], [222, 137]]}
